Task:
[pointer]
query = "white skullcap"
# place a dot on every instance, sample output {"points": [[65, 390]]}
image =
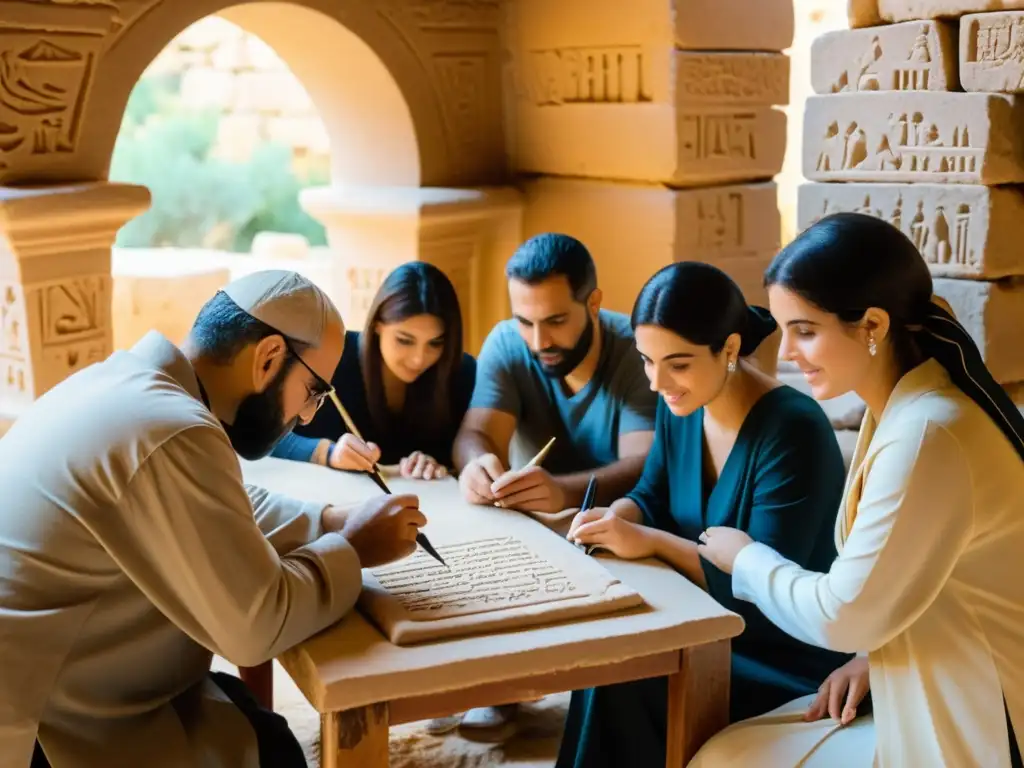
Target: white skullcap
{"points": [[286, 301]]}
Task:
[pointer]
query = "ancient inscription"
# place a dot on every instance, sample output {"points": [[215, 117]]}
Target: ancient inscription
{"points": [[712, 136], [484, 575], [13, 341], [720, 221], [992, 52], [75, 309], [755, 78], [608, 75], [916, 56], [961, 230], [363, 283], [462, 84]]}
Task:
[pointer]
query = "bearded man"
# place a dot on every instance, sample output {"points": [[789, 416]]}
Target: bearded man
{"points": [[131, 551]]}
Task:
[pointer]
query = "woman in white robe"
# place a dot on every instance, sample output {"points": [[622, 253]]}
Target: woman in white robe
{"points": [[929, 581]]}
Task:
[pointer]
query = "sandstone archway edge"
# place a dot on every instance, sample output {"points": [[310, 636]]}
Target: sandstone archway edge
{"points": [[410, 91]]}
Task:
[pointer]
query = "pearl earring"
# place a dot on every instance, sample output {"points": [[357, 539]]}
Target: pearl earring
{"points": [[872, 349], [732, 366]]}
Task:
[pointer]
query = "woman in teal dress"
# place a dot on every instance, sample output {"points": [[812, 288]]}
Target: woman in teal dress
{"points": [[732, 447]]}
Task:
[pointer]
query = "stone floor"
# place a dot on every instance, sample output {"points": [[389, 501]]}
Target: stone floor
{"points": [[535, 746]]}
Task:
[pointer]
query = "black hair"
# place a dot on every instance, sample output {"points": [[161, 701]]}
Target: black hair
{"points": [[553, 254], [411, 289], [222, 329], [702, 304], [847, 263]]}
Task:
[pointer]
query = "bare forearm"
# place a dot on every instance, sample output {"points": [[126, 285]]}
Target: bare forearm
{"points": [[681, 554], [613, 482], [471, 444]]}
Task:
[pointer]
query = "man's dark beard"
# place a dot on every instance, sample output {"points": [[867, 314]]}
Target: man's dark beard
{"points": [[259, 422], [570, 357]]}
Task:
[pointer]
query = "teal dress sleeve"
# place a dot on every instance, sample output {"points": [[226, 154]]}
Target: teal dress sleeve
{"points": [[651, 493]]}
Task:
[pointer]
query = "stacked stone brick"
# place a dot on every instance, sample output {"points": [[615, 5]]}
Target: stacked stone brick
{"points": [[921, 122], [651, 132]]}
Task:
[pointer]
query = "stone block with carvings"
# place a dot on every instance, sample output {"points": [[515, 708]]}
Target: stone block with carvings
{"points": [[870, 13], [962, 230], [916, 136], [992, 52], [633, 230], [993, 313], [913, 56], [646, 114]]}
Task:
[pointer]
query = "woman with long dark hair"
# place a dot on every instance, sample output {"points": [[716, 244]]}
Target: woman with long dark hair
{"points": [[929, 582], [404, 381], [732, 446]]}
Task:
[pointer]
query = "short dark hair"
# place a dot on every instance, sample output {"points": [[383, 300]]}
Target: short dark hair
{"points": [[847, 263], [552, 254], [701, 303], [222, 329]]}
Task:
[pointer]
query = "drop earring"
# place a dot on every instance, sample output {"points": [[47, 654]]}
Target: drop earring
{"points": [[732, 366], [872, 349]]}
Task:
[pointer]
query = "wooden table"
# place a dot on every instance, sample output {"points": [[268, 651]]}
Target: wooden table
{"points": [[360, 683]]}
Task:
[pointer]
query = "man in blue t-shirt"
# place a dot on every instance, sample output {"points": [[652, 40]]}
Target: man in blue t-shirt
{"points": [[561, 367]]}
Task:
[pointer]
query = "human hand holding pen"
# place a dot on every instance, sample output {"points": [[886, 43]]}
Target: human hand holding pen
{"points": [[351, 453], [381, 530]]}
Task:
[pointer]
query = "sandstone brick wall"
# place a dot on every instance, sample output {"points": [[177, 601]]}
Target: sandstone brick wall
{"points": [[922, 120], [223, 67]]}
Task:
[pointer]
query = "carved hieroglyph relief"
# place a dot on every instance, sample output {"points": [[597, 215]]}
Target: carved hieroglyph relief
{"points": [[962, 230], [362, 284], [716, 223], [992, 52], [914, 56], [75, 318], [48, 55], [485, 575], [732, 78], [462, 85], [443, 15], [14, 357], [606, 75], [913, 137], [870, 13]]}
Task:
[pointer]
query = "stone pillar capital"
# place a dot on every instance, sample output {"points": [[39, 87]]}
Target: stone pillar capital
{"points": [[55, 282]]}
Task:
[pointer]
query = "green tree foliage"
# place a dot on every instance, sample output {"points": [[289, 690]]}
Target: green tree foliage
{"points": [[200, 200]]}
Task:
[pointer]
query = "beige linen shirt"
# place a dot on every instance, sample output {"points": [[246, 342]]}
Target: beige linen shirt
{"points": [[130, 551], [929, 579]]}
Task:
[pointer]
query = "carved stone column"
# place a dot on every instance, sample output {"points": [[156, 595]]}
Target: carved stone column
{"points": [[55, 283], [467, 233]]}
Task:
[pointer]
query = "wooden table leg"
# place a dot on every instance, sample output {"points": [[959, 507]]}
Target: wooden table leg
{"points": [[356, 738], [260, 681], [698, 700]]}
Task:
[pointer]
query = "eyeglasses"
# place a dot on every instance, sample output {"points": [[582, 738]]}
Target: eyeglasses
{"points": [[327, 390]]}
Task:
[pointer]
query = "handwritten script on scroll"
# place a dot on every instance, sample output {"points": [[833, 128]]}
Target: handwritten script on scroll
{"points": [[483, 575]]}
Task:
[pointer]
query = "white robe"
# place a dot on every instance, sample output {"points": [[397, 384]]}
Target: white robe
{"points": [[130, 551], [929, 580]]}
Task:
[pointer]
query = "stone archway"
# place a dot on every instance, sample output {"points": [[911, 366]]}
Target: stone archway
{"points": [[410, 93]]}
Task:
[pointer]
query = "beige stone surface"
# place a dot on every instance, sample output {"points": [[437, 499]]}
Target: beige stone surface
{"points": [[913, 56], [356, 665], [915, 136], [869, 13], [708, 25], [993, 314], [992, 52], [632, 230], [962, 230], [655, 115], [162, 296]]}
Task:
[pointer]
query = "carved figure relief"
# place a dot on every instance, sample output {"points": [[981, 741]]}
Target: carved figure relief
{"points": [[908, 143], [710, 137], [941, 232], [610, 75], [484, 575], [891, 60]]}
